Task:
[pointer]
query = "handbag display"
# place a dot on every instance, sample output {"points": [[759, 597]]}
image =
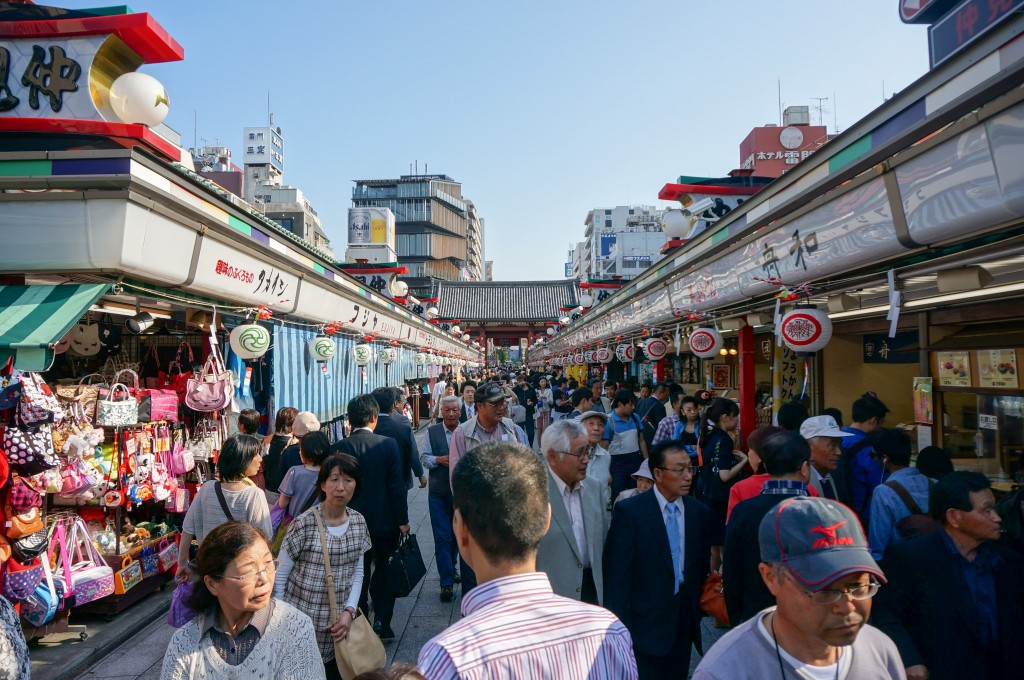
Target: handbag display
{"points": [[23, 494], [29, 451], [40, 607], [156, 404], [712, 598], [362, 650], [21, 580], [167, 555], [114, 412], [176, 378], [22, 524], [405, 566], [85, 394], [181, 460], [129, 576], [38, 404], [86, 576], [212, 389], [29, 546]]}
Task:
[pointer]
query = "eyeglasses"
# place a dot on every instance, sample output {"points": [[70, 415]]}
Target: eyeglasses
{"points": [[252, 577], [829, 597], [679, 471], [582, 452]]}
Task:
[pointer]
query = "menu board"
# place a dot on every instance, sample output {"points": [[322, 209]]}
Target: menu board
{"points": [[997, 368], [954, 369]]}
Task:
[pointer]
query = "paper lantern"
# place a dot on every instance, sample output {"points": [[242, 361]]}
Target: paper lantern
{"points": [[587, 299], [399, 288], [456, 330], [603, 355], [322, 348], [655, 348], [465, 337], [806, 329], [579, 359], [389, 355], [705, 342], [625, 353], [588, 356], [420, 359], [362, 353], [551, 330], [431, 313], [139, 98], [249, 341]]}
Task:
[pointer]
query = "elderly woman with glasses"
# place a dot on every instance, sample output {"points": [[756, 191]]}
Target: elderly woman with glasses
{"points": [[241, 631], [302, 578]]}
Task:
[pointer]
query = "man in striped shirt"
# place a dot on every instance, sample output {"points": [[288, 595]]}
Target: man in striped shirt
{"points": [[514, 626]]}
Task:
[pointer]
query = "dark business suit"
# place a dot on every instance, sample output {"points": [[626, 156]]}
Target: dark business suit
{"points": [[927, 611], [402, 433], [638, 582], [382, 499], [464, 414]]}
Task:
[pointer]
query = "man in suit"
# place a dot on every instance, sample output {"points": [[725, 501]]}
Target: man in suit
{"points": [[570, 553], [825, 438], [439, 496], [656, 557], [381, 499], [468, 408], [954, 605], [387, 426]]}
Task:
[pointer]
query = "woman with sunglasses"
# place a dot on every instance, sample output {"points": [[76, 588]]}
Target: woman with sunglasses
{"points": [[241, 630]]}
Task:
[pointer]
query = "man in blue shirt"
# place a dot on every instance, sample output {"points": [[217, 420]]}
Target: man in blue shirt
{"points": [[887, 506], [859, 473]]}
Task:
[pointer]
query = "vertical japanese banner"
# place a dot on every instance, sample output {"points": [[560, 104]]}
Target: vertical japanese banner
{"points": [[785, 365]]}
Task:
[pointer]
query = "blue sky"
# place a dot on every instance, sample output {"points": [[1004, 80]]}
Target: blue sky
{"points": [[543, 110]]}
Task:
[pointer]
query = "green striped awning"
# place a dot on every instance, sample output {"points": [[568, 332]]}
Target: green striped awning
{"points": [[34, 318]]}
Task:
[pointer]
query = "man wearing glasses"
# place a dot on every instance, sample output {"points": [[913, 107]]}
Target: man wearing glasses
{"points": [[815, 561], [488, 425], [656, 557], [570, 552]]}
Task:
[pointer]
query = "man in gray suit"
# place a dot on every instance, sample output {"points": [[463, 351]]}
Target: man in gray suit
{"points": [[570, 552]]}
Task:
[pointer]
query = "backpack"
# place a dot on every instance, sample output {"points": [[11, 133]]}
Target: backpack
{"points": [[916, 523]]}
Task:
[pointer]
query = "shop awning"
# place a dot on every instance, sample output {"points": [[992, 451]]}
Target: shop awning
{"points": [[34, 318]]}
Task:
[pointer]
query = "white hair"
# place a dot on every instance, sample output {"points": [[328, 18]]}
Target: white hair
{"points": [[450, 399], [559, 435]]}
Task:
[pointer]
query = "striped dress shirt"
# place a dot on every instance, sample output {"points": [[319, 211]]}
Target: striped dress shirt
{"points": [[516, 627]]}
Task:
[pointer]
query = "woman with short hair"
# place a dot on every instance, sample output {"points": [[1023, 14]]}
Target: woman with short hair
{"points": [[241, 630], [232, 497], [301, 579], [274, 444]]}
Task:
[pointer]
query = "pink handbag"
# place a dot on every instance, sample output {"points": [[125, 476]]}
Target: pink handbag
{"points": [[157, 405], [212, 389], [182, 461], [86, 576]]}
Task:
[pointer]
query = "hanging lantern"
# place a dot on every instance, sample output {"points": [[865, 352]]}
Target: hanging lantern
{"points": [[399, 288], [579, 359], [249, 341], [551, 330], [806, 329], [389, 355], [625, 353], [431, 313], [362, 354], [420, 359], [655, 348], [588, 356], [705, 342], [456, 330], [603, 355], [465, 337], [587, 299], [322, 348]]}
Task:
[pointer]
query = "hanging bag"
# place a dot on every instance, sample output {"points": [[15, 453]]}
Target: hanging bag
{"points": [[167, 556], [119, 409], [176, 378], [85, 393], [22, 524], [155, 404], [150, 562], [39, 608], [129, 576], [29, 450], [180, 613], [182, 461], [405, 566], [23, 494], [212, 390], [38, 404], [89, 577], [712, 598], [362, 650], [21, 580]]}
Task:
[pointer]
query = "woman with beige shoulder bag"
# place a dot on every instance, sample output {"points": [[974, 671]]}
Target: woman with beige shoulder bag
{"points": [[321, 572]]}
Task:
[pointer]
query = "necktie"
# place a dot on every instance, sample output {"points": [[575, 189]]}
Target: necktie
{"points": [[672, 527], [828, 489]]}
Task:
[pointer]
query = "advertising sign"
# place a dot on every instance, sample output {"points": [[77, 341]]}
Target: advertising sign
{"points": [[263, 146], [965, 24], [382, 227], [923, 404], [954, 369], [997, 368], [359, 226], [243, 278]]}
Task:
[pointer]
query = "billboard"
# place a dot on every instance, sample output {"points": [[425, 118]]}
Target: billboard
{"points": [[263, 146], [371, 227]]}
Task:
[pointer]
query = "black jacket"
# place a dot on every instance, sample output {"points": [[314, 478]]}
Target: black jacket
{"points": [[402, 434], [638, 585], [926, 609], [381, 496]]}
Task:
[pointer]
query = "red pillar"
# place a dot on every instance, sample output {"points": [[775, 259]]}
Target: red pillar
{"points": [[748, 385]]}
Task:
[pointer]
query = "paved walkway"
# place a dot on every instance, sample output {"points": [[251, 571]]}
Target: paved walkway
{"points": [[417, 618]]}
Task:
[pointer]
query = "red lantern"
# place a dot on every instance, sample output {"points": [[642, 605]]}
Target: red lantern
{"points": [[705, 342], [806, 329]]}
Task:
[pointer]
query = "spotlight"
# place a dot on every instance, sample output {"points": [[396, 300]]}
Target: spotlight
{"points": [[139, 323]]}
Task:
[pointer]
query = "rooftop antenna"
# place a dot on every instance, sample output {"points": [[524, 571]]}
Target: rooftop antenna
{"points": [[780, 101], [425, 170], [835, 114], [270, 116], [195, 129], [821, 109]]}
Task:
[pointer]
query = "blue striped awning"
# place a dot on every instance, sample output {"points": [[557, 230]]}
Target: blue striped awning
{"points": [[34, 318], [299, 382]]}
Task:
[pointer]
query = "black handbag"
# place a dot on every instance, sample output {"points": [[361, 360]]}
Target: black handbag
{"points": [[405, 566], [31, 546]]}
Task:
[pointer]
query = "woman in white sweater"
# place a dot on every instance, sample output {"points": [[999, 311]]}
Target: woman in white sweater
{"points": [[241, 631]]}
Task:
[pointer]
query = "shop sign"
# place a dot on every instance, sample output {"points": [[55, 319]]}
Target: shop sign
{"points": [[954, 369], [923, 404], [43, 79], [239, 276], [997, 368], [879, 348], [987, 422], [790, 373], [965, 24]]}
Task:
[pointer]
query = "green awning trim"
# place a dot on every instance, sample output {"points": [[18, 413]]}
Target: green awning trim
{"points": [[34, 318]]}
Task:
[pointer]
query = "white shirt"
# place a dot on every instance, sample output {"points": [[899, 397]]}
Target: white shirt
{"points": [[573, 500], [680, 519], [827, 479], [470, 409]]}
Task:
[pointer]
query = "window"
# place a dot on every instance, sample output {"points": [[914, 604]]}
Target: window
{"points": [[607, 224], [607, 212]]}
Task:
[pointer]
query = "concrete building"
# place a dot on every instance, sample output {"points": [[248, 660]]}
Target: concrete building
{"points": [[770, 150], [214, 163], [433, 225], [488, 270], [618, 242]]}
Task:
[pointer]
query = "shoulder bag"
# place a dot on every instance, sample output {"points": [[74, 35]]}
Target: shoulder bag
{"points": [[212, 390], [85, 394], [362, 650], [29, 450], [175, 378], [21, 580], [405, 566], [87, 577], [114, 412], [38, 404]]}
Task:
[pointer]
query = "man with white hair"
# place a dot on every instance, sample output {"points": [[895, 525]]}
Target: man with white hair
{"points": [[570, 552]]}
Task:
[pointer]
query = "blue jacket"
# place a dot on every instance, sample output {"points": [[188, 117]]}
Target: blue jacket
{"points": [[887, 508]]}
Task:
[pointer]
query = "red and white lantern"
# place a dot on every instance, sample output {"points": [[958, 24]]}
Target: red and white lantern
{"points": [[655, 348], [705, 342], [603, 355], [806, 329], [579, 359], [625, 352]]}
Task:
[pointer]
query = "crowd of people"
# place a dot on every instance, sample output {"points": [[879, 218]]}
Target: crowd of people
{"points": [[581, 523]]}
